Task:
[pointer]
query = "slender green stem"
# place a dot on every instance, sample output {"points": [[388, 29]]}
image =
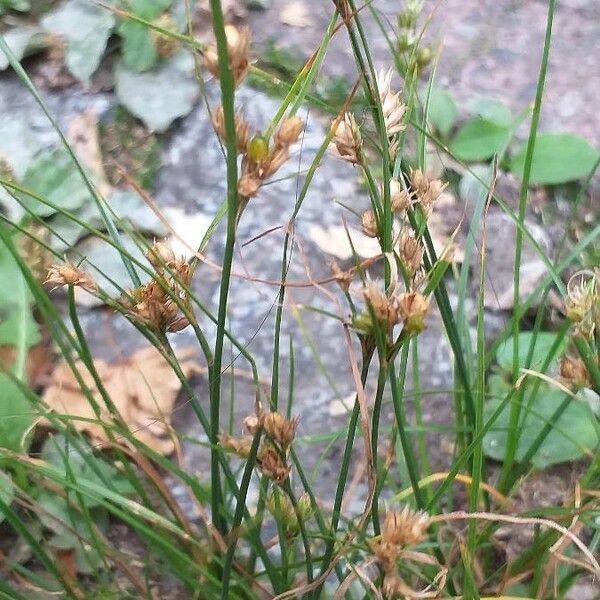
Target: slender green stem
{"points": [[515, 411], [227, 99]]}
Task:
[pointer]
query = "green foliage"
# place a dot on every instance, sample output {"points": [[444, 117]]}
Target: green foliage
{"points": [[53, 176], [16, 415], [557, 158], [160, 96], [479, 139], [442, 112], [85, 29], [573, 434], [543, 344], [7, 491]]}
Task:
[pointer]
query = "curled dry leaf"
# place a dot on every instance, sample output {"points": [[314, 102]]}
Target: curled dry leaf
{"points": [[143, 389]]}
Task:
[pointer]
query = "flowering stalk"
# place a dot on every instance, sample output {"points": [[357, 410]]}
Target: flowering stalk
{"points": [[227, 83]]}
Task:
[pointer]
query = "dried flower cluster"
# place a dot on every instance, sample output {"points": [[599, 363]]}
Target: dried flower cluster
{"points": [[409, 308], [70, 275], [238, 43], [242, 129], [400, 529], [411, 252], [393, 109], [582, 305], [154, 304], [574, 373], [279, 433], [347, 140], [341, 277], [261, 160], [368, 222], [425, 191]]}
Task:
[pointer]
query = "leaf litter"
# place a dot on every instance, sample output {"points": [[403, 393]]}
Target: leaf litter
{"points": [[143, 388]]}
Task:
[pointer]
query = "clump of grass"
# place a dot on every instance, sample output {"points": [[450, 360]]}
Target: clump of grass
{"points": [[285, 540]]}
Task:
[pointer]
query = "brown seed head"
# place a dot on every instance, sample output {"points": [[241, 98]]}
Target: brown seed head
{"points": [[70, 275], [347, 139], [238, 42], [392, 106], [342, 278], [368, 223], [383, 307], [277, 157], [248, 186], [400, 198], [411, 252], [240, 446], [289, 131], [252, 423], [242, 129], [160, 255], [412, 309], [280, 429], [574, 372], [427, 191], [272, 464], [406, 527]]}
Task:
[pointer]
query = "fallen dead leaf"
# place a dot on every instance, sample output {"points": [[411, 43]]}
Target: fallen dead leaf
{"points": [[143, 389], [83, 137], [38, 364], [295, 14]]}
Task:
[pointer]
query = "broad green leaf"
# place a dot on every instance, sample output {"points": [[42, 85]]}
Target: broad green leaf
{"points": [[86, 29], [17, 325], [557, 158], [543, 343], [57, 516], [84, 465], [149, 9], [53, 176], [574, 435], [443, 112], [23, 41], [139, 52], [21, 5], [7, 490], [492, 110], [16, 415], [159, 96], [479, 139]]}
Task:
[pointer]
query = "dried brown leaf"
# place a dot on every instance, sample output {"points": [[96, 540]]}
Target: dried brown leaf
{"points": [[143, 389]]}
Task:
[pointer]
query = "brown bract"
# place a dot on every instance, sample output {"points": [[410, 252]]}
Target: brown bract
{"points": [[70, 275], [238, 43], [142, 388]]}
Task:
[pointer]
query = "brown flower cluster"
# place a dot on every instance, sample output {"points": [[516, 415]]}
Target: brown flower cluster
{"points": [[341, 277], [393, 110], [411, 252], [70, 275], [347, 140], [574, 373], [261, 160], [278, 434], [400, 529], [409, 308], [242, 129], [425, 191], [238, 43], [582, 304], [154, 304]]}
